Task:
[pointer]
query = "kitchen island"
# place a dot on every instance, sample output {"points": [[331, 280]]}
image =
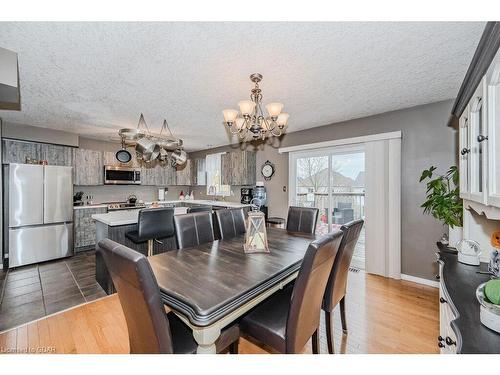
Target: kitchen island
{"points": [[114, 225]]}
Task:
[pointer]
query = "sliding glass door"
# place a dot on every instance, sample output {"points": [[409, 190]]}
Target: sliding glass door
{"points": [[332, 180]]}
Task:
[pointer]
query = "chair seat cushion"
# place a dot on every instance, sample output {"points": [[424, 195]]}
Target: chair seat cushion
{"points": [[133, 236], [267, 321], [184, 343]]}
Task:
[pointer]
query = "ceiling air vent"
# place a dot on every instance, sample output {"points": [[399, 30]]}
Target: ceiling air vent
{"points": [[10, 96]]}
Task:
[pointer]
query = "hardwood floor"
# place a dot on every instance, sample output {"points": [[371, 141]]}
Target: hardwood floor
{"points": [[383, 316]]}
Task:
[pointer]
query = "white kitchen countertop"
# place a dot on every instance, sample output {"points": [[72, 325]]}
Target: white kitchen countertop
{"points": [[87, 206], [126, 217], [202, 201]]}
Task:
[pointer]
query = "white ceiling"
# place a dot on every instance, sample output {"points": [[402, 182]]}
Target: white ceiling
{"points": [[94, 78]]}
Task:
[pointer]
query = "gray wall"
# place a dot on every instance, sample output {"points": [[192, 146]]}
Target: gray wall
{"points": [[426, 141]]}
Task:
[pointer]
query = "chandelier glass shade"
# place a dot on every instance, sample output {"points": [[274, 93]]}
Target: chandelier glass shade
{"points": [[250, 122], [150, 147]]}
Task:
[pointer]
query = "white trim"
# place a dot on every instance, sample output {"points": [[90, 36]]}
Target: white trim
{"points": [[341, 142], [419, 280], [394, 208]]}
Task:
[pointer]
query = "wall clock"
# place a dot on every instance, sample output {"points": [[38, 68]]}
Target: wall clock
{"points": [[267, 170]]}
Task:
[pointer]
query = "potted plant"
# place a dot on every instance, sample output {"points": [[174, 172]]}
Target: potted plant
{"points": [[443, 200]]}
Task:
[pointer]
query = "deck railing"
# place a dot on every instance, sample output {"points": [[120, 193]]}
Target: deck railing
{"points": [[339, 201]]}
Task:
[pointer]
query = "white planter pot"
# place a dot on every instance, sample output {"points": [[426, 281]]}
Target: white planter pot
{"points": [[455, 234]]}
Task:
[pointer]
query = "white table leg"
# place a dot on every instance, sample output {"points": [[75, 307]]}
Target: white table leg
{"points": [[206, 338]]}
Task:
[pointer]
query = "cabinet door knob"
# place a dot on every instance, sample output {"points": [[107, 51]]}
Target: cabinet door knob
{"points": [[449, 341], [442, 300], [465, 151], [438, 277], [440, 338], [481, 138], [440, 344]]}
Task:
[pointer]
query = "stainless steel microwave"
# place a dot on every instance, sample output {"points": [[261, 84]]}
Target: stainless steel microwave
{"points": [[118, 175]]}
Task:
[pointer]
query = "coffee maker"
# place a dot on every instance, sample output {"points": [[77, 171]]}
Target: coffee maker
{"points": [[246, 195]]}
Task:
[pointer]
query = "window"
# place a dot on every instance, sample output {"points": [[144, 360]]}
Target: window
{"points": [[214, 176]]}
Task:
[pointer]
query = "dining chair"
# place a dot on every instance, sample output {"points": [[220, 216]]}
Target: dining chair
{"points": [[193, 229], [231, 222], [150, 328], [302, 219], [153, 224], [336, 287], [290, 317]]}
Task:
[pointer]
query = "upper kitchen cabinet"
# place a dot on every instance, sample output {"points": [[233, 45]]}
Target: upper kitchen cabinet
{"points": [[478, 147], [109, 158], [157, 174], [19, 151], [478, 105], [184, 173], [493, 126], [238, 168], [88, 167], [463, 158], [199, 172], [57, 155], [10, 95]]}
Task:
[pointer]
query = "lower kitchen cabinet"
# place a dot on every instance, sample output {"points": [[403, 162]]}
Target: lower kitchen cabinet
{"points": [[85, 228]]}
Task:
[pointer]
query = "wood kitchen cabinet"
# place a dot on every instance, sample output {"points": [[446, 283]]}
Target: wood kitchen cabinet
{"points": [[157, 174], [88, 168], [85, 228], [17, 151], [57, 155], [109, 158], [238, 168], [185, 173], [199, 172]]}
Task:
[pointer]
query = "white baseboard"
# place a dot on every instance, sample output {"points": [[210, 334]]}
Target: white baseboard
{"points": [[419, 280]]}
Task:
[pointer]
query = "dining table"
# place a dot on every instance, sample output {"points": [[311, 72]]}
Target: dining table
{"points": [[211, 285]]}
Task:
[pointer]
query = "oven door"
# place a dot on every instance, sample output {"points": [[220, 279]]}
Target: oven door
{"points": [[121, 176]]}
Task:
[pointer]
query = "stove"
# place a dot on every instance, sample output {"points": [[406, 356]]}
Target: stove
{"points": [[116, 206]]}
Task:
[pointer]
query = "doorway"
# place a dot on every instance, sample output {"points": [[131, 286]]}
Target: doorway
{"points": [[332, 180]]}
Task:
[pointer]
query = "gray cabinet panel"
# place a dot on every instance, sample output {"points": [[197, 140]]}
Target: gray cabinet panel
{"points": [[238, 168], [57, 155], [85, 227], [109, 158], [199, 172], [88, 167], [17, 151], [185, 173], [157, 174]]}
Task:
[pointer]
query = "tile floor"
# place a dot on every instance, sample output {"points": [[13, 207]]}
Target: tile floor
{"points": [[31, 292]]}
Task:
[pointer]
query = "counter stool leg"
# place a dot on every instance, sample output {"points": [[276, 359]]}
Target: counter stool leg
{"points": [[150, 248]]}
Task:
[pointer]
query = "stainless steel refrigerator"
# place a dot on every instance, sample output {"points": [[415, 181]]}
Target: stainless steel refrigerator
{"points": [[38, 213]]}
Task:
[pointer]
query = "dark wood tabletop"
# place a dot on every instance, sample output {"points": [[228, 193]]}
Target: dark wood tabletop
{"points": [[207, 282]]}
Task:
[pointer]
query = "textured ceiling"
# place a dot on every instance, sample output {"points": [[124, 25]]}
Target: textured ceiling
{"points": [[94, 78]]}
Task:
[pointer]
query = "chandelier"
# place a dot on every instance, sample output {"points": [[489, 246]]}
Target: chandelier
{"points": [[250, 123], [150, 147]]}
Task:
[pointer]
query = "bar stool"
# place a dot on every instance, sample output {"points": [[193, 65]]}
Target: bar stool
{"points": [[152, 225]]}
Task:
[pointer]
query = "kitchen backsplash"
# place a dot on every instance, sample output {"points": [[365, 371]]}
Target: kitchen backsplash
{"points": [[118, 193]]}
